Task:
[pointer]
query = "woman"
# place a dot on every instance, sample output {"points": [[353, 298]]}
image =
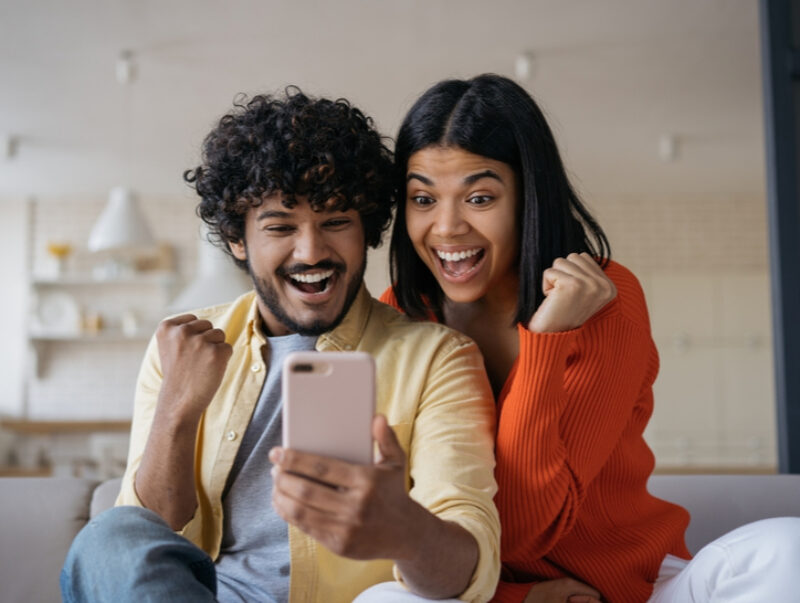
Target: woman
{"points": [[491, 239]]}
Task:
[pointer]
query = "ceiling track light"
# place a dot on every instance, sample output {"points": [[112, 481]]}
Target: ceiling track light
{"points": [[126, 67], [524, 65], [668, 148]]}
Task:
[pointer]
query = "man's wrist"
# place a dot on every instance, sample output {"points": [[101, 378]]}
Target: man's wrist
{"points": [[439, 557], [418, 529], [177, 416]]}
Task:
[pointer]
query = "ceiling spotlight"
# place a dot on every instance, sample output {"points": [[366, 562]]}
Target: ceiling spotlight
{"points": [[667, 147], [125, 67], [523, 66]]}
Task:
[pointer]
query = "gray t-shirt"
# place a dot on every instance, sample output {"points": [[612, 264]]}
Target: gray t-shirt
{"points": [[253, 564]]}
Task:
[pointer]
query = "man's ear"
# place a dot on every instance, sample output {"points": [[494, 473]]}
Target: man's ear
{"points": [[238, 249]]}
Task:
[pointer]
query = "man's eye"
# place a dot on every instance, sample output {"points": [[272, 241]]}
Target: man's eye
{"points": [[279, 229], [337, 223], [480, 199], [421, 200]]}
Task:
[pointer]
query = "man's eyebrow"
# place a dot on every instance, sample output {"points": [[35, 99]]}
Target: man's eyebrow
{"points": [[273, 213]]}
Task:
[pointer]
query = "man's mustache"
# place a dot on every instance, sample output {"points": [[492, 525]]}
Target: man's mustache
{"points": [[299, 268]]}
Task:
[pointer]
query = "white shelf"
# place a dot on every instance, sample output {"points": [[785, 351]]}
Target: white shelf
{"points": [[107, 336], [83, 280], [41, 343]]}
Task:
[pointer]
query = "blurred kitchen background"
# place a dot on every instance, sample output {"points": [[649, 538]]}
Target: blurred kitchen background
{"points": [[656, 104]]}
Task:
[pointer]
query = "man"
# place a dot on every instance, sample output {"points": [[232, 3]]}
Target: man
{"points": [[296, 189]]}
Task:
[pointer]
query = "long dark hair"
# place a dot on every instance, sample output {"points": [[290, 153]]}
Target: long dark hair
{"points": [[492, 116]]}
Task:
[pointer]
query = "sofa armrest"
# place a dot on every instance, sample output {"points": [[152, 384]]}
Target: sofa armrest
{"points": [[104, 496], [720, 503]]}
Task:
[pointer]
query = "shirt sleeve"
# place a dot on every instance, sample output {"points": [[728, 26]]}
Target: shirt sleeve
{"points": [[148, 386], [455, 425], [568, 402]]}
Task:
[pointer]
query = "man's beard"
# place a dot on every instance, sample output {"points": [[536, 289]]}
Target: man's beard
{"points": [[269, 296]]}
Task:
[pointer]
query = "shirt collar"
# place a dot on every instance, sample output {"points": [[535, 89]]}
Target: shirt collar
{"points": [[347, 335], [344, 337]]}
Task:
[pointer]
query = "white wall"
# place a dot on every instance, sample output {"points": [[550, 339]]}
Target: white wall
{"points": [[13, 302]]}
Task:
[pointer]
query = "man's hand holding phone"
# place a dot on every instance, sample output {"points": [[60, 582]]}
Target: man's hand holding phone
{"points": [[327, 485], [357, 511]]}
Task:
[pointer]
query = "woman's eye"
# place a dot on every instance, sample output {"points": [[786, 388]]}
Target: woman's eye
{"points": [[480, 199], [421, 200]]}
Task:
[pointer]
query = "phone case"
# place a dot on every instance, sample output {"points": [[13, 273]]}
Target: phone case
{"points": [[328, 404]]}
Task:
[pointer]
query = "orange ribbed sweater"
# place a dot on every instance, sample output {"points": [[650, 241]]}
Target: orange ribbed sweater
{"points": [[572, 463]]}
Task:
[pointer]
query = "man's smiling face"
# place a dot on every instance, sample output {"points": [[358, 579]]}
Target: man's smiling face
{"points": [[306, 266]]}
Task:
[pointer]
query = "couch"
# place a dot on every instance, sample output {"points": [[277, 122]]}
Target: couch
{"points": [[40, 517]]}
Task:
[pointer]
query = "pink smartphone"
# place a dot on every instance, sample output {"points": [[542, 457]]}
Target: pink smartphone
{"points": [[328, 404]]}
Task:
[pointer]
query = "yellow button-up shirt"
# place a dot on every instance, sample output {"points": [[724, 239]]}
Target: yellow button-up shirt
{"points": [[430, 384]]}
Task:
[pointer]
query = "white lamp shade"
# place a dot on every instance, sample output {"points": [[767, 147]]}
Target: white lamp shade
{"points": [[218, 279], [121, 225]]}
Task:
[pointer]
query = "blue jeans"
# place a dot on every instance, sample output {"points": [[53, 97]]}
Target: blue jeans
{"points": [[131, 554]]}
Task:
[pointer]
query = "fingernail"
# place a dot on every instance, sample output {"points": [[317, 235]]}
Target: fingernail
{"points": [[276, 455]]}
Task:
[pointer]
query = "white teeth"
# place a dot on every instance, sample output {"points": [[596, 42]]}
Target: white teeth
{"points": [[458, 255], [311, 278]]}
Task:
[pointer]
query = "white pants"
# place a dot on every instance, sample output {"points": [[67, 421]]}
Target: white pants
{"points": [[392, 592], [758, 562]]}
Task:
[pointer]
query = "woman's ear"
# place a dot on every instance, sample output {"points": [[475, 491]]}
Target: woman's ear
{"points": [[238, 249]]}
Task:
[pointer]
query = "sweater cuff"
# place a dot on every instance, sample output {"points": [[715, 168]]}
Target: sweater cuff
{"points": [[543, 357], [546, 345]]}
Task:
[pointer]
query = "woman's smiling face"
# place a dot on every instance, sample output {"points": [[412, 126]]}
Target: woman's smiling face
{"points": [[461, 215]]}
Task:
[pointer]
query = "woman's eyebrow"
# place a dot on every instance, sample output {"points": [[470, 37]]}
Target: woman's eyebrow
{"points": [[414, 176], [473, 178]]}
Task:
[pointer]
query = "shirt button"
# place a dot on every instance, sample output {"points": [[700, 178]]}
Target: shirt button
{"points": [[231, 435], [256, 367]]}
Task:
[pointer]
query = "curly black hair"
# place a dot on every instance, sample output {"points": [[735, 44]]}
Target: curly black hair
{"points": [[324, 150]]}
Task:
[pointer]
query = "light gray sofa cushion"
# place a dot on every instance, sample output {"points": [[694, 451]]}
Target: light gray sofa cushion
{"points": [[40, 518]]}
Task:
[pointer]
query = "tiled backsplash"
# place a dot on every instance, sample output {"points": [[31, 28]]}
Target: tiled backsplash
{"points": [[703, 264]]}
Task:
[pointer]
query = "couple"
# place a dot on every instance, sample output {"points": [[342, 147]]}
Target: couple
{"points": [[489, 240]]}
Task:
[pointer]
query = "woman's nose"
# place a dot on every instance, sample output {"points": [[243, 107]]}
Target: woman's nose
{"points": [[448, 221]]}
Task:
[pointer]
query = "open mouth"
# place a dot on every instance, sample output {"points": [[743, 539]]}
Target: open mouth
{"points": [[311, 282], [460, 263]]}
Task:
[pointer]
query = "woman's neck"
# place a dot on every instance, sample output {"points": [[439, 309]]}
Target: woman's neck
{"points": [[489, 321], [498, 306]]}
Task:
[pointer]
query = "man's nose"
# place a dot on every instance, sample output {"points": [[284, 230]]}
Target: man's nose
{"points": [[310, 247], [448, 221]]}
